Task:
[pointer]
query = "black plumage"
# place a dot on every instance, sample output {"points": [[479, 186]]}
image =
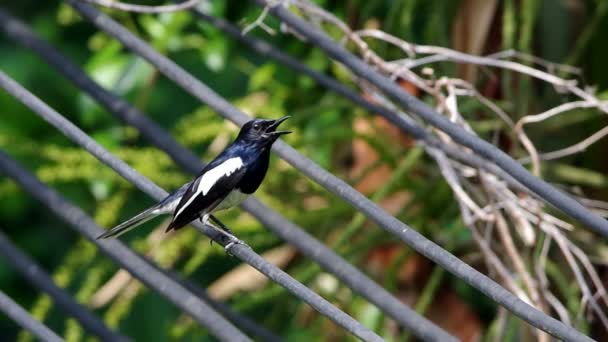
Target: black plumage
{"points": [[225, 182]]}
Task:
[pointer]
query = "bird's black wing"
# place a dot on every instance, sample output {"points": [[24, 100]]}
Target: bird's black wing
{"points": [[193, 202]]}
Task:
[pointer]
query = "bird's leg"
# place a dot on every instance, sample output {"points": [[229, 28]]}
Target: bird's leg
{"points": [[222, 229], [205, 221], [220, 224], [233, 238]]}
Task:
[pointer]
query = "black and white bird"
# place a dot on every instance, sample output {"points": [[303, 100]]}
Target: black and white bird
{"points": [[225, 182]]}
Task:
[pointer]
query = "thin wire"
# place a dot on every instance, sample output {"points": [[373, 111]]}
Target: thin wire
{"points": [[240, 251], [334, 184], [18, 314], [409, 127], [245, 323], [240, 320], [123, 256], [277, 223], [42, 281], [17, 31], [549, 193]]}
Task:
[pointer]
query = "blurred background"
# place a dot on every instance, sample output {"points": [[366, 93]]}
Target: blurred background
{"points": [[367, 152]]}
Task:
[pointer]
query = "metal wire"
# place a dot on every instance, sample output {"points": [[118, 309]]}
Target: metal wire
{"points": [[18, 314], [122, 255], [334, 184], [41, 280], [240, 251], [412, 104], [409, 127], [287, 230], [241, 321]]}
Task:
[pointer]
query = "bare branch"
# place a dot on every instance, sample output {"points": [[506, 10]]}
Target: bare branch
{"points": [[574, 149], [259, 22]]}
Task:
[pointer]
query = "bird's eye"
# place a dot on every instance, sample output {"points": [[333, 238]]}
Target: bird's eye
{"points": [[256, 127]]}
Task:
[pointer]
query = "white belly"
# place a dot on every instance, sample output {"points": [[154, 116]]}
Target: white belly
{"points": [[233, 199]]}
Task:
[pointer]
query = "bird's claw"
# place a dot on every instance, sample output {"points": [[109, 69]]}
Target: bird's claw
{"points": [[233, 241], [225, 231]]}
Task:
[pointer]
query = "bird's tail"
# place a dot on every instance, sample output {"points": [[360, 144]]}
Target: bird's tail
{"points": [[133, 222]]}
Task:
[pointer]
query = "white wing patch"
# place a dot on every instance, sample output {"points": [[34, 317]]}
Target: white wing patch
{"points": [[211, 177]]}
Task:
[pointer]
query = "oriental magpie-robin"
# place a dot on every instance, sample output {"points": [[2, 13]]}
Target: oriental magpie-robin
{"points": [[225, 182]]}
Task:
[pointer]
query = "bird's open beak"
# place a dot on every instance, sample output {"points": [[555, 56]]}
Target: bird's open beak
{"points": [[272, 128]]}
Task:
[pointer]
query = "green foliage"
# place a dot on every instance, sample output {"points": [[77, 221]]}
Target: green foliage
{"points": [[323, 129]]}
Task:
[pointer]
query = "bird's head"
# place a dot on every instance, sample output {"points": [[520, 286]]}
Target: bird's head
{"points": [[261, 131]]}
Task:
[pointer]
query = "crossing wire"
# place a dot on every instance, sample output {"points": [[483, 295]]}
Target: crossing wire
{"points": [[287, 230], [121, 254], [407, 234], [240, 251], [18, 314], [410, 127], [544, 190], [240, 320], [41, 280]]}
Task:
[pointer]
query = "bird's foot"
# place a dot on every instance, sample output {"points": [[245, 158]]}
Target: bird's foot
{"points": [[226, 233]]}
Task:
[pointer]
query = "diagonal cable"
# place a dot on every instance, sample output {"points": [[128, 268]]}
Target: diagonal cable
{"points": [[240, 251], [42, 281], [121, 254], [550, 194], [240, 320], [37, 276], [334, 184], [277, 223], [18, 314], [410, 127]]}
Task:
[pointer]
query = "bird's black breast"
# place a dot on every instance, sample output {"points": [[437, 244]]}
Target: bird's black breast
{"points": [[256, 171]]}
